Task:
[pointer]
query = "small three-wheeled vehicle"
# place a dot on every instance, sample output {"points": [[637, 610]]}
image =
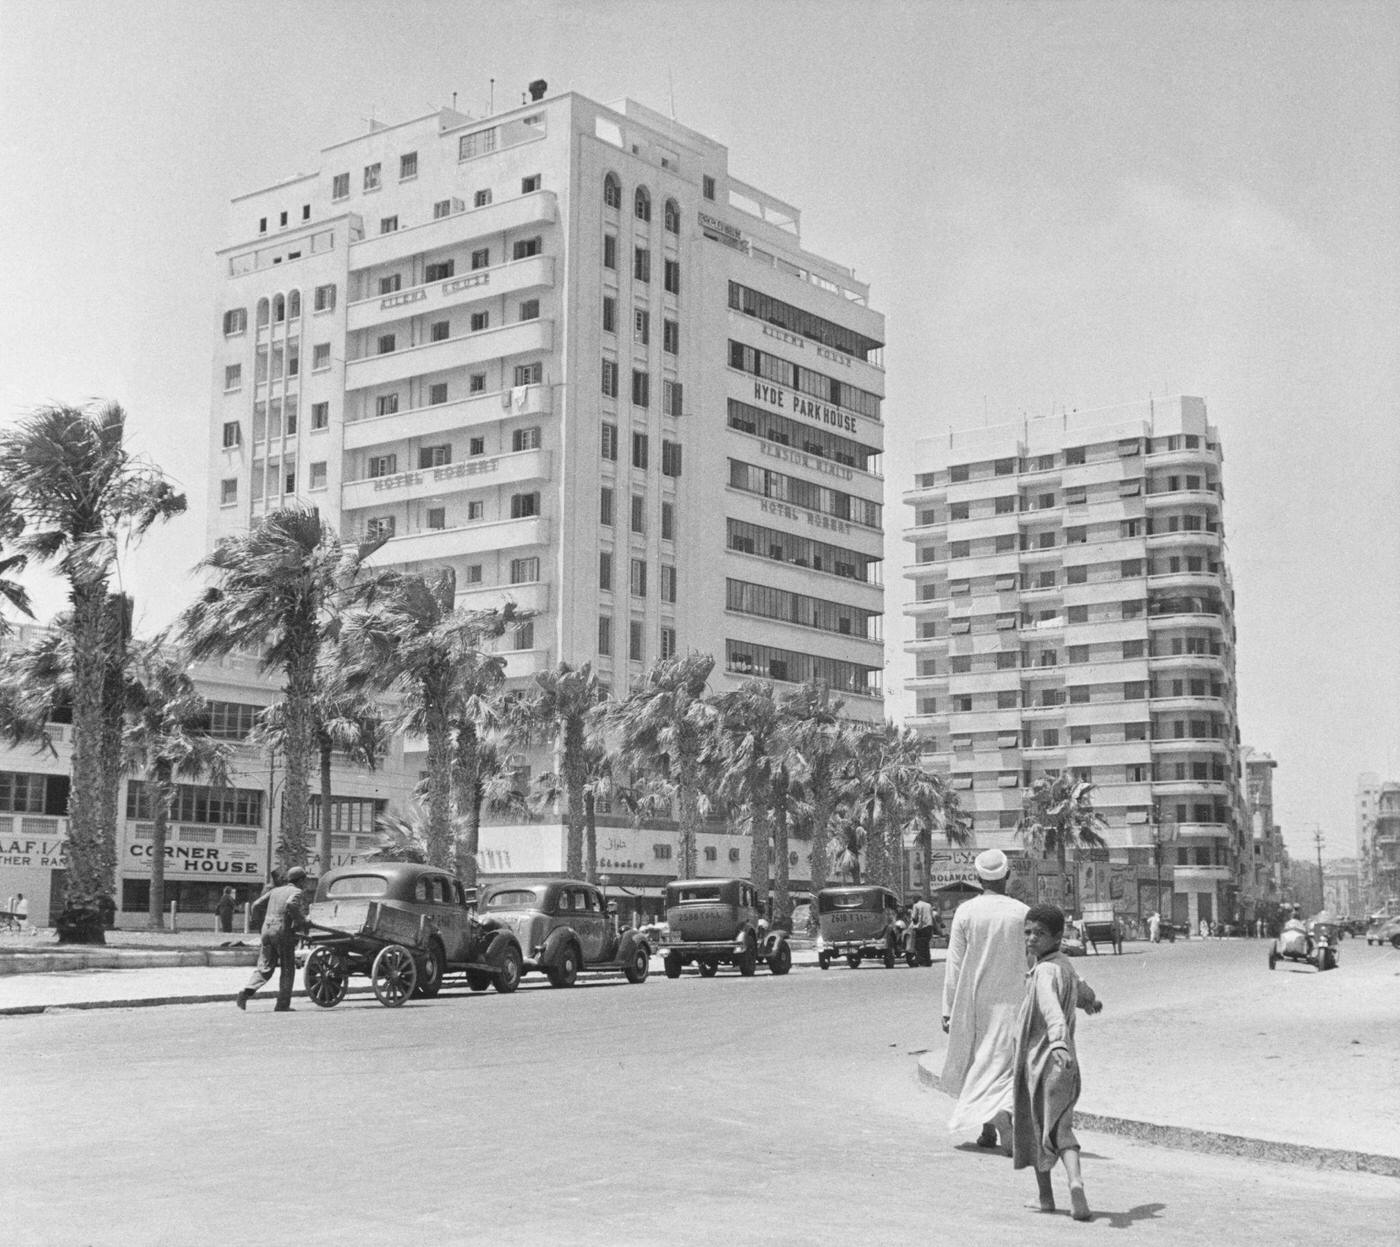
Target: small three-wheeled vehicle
{"points": [[406, 927], [857, 922], [1312, 943]]}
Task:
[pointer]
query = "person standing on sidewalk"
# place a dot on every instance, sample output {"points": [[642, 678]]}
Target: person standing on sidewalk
{"points": [[925, 924], [983, 987], [223, 909], [284, 921]]}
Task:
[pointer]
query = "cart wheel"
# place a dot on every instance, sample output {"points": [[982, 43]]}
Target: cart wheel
{"points": [[639, 967], [430, 981], [853, 960], [708, 967], [511, 972], [672, 965], [326, 977], [393, 975], [824, 960], [781, 961]]}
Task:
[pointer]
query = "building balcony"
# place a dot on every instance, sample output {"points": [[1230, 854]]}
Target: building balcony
{"points": [[1201, 831], [525, 400], [482, 472], [447, 543], [524, 337], [533, 597], [1191, 788], [923, 608], [1209, 664], [1188, 877], [1156, 500], [1188, 619], [461, 227], [1201, 537], [523, 664], [1205, 701], [806, 351], [1194, 457], [1202, 744], [922, 644], [1185, 580], [487, 283]]}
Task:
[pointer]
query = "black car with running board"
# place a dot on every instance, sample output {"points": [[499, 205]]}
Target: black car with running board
{"points": [[715, 922]]}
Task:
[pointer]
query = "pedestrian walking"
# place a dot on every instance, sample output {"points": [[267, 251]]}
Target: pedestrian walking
{"points": [[982, 991], [925, 925], [223, 910], [1047, 1081], [1154, 927], [1204, 928], [284, 920]]}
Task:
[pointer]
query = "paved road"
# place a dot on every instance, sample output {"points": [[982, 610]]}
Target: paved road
{"points": [[694, 1112]]}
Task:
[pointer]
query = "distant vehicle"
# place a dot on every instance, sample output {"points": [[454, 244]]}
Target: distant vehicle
{"points": [[563, 926], [714, 922], [1313, 943], [1384, 931], [858, 922]]}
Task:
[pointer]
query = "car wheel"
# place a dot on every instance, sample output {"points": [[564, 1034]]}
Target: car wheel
{"points": [[434, 965], [709, 967], [781, 961], [507, 978], [478, 980], [889, 955], [639, 967], [824, 960], [326, 977], [853, 960], [747, 961], [565, 974], [672, 965]]}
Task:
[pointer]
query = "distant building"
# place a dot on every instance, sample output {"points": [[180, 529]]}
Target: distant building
{"points": [[1341, 888], [1261, 872], [1377, 841]]}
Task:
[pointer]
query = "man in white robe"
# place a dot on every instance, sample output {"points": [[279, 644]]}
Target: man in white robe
{"points": [[983, 987]]}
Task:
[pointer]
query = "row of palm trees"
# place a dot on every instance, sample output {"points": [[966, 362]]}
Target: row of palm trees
{"points": [[363, 653]]}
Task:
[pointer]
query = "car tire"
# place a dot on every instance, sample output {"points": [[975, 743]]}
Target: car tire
{"points": [[434, 966], [747, 961], [853, 960], [708, 967], [565, 972], [478, 980], [889, 955], [672, 965], [824, 960], [636, 970], [781, 961], [507, 978]]}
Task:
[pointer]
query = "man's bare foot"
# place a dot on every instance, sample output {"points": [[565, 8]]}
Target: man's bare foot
{"points": [[988, 1137], [1047, 1196], [1079, 1204]]}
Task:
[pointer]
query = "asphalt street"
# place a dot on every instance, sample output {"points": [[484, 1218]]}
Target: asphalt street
{"points": [[691, 1112]]}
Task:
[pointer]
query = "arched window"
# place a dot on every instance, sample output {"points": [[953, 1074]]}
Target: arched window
{"points": [[279, 309], [643, 204], [262, 312], [612, 192], [294, 305], [673, 217]]}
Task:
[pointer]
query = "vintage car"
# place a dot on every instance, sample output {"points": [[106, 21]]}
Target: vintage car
{"points": [[564, 926], [715, 922], [859, 921], [406, 926], [1384, 930]]}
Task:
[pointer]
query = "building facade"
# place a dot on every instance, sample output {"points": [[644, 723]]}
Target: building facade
{"points": [[1261, 872], [1378, 842], [1072, 610]]}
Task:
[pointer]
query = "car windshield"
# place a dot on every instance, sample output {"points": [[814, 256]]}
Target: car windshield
{"points": [[514, 898], [706, 892], [358, 885]]}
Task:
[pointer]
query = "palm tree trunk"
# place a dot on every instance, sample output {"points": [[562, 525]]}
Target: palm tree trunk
{"points": [[574, 780], [300, 743], [689, 801], [84, 875], [590, 834], [924, 843], [470, 795], [162, 795], [323, 830], [1060, 857], [760, 830], [439, 787], [823, 806], [782, 895], [118, 639]]}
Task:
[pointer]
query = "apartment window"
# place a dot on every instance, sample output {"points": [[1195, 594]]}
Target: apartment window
{"points": [[673, 217], [379, 528], [524, 571], [610, 251], [476, 510], [480, 321], [383, 465], [481, 258], [408, 165], [434, 456], [1077, 653], [668, 522], [707, 186], [439, 331], [318, 475], [323, 300], [641, 204], [959, 549], [291, 415], [640, 450], [440, 271], [524, 636], [437, 393], [530, 184], [1004, 542], [282, 219], [385, 343], [1077, 575], [671, 397], [671, 337], [641, 388], [612, 192], [1129, 568], [320, 356], [481, 199], [524, 248], [1074, 456], [388, 224], [437, 518], [604, 635], [1007, 698], [228, 491], [1008, 660], [476, 383], [371, 182], [1134, 649], [639, 514], [641, 326], [474, 573], [320, 415], [233, 377], [668, 650], [1134, 690], [609, 314], [958, 511], [262, 225], [530, 309], [636, 641], [1045, 540], [386, 404], [605, 563], [671, 276], [442, 208], [522, 506], [476, 446], [670, 458], [608, 441], [641, 264], [668, 583], [340, 186], [233, 434], [957, 473], [525, 439], [605, 506], [235, 321]]}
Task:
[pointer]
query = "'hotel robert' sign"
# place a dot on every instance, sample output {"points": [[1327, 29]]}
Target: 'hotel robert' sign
{"points": [[447, 472], [800, 405]]}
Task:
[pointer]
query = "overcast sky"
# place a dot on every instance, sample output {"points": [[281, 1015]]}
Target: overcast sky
{"points": [[1056, 205]]}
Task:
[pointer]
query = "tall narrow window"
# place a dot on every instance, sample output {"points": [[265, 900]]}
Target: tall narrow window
{"points": [[408, 165], [605, 506], [641, 445], [609, 441], [641, 388], [642, 204], [371, 182], [641, 264]]}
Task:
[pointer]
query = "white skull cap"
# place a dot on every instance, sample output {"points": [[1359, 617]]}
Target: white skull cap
{"points": [[992, 864]]}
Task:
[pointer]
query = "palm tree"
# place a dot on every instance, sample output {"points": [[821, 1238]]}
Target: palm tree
{"points": [[603, 784], [402, 837], [166, 739], [11, 591], [489, 783], [564, 705], [279, 590], [752, 778], [818, 747], [664, 729], [77, 489], [1058, 812]]}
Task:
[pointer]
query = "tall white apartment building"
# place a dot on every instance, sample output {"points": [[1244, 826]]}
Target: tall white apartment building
{"points": [[562, 351], [1073, 610]]}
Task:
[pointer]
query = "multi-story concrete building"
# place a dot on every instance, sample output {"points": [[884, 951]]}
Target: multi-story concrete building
{"points": [[1341, 887], [1378, 841], [563, 352], [1261, 872], [1073, 611]]}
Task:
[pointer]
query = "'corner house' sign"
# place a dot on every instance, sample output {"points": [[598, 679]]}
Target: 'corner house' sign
{"points": [[196, 859]]}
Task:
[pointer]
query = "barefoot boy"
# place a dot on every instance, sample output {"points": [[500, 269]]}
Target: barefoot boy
{"points": [[1047, 1067]]}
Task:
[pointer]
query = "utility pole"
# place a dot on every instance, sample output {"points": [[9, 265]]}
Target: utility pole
{"points": [[1318, 839]]}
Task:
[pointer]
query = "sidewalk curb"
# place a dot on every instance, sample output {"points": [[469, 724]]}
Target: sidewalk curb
{"points": [[1189, 1139], [123, 959], [149, 1002]]}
